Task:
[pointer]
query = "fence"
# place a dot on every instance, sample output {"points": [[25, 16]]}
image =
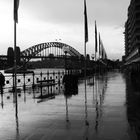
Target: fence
{"points": [[31, 80]]}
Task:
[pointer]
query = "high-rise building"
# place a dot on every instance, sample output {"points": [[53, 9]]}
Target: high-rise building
{"points": [[132, 33]]}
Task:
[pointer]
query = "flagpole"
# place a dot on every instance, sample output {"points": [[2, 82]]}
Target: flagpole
{"points": [[99, 46], [85, 60], [96, 42], [99, 55], [85, 67], [95, 46], [85, 34], [95, 56], [15, 10], [15, 63], [15, 76]]}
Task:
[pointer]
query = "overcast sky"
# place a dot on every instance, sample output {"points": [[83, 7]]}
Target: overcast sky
{"points": [[42, 21]]}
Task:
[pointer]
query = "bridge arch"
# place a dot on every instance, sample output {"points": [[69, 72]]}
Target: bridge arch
{"points": [[34, 50]]}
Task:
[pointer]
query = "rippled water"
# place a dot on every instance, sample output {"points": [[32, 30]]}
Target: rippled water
{"points": [[107, 107]]}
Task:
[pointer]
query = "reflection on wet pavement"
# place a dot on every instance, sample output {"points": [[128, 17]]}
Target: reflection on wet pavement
{"points": [[102, 108]]}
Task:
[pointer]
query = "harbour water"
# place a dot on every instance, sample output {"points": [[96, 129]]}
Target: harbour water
{"points": [[105, 108]]}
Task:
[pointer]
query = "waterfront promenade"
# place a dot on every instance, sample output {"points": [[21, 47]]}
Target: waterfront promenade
{"points": [[98, 112]]}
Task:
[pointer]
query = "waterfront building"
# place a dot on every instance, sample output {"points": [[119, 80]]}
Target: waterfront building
{"points": [[132, 33]]}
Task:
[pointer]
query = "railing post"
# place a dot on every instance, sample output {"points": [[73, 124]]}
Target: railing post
{"points": [[48, 79], [41, 83], [24, 85], [33, 85], [13, 83], [2, 102], [59, 78], [54, 82], [47, 75]]}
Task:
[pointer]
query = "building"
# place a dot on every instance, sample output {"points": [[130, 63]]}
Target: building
{"points": [[132, 33]]}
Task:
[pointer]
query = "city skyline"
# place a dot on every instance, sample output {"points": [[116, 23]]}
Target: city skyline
{"points": [[51, 20]]}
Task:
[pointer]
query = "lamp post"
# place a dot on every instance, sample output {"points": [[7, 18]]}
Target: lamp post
{"points": [[65, 49], [65, 61]]}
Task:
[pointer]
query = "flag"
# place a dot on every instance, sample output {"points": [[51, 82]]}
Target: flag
{"points": [[86, 22], [16, 5], [102, 52], [96, 49], [104, 55], [101, 48]]}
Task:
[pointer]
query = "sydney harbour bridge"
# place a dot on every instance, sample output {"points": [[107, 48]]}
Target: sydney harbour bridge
{"points": [[47, 51]]}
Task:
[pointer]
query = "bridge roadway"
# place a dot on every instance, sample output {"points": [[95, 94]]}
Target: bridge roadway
{"points": [[4, 57]]}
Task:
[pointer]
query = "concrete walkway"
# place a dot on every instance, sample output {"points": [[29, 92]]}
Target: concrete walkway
{"points": [[97, 114]]}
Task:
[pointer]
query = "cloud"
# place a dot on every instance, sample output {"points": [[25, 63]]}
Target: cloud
{"points": [[53, 10], [104, 11]]}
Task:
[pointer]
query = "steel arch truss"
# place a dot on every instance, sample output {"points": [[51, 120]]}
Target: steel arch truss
{"points": [[34, 50]]}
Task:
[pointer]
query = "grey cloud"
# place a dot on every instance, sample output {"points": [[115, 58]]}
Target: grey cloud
{"points": [[55, 10], [61, 11]]}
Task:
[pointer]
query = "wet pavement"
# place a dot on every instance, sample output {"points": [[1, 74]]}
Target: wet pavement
{"points": [[101, 110]]}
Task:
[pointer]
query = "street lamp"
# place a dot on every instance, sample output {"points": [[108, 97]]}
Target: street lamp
{"points": [[65, 49]]}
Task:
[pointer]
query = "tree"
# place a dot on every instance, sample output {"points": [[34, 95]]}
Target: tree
{"points": [[51, 55], [10, 56], [18, 55], [88, 57]]}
